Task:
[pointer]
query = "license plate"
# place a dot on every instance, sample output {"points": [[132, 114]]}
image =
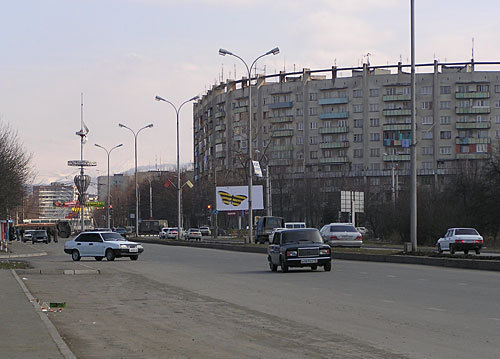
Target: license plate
{"points": [[308, 261], [133, 250]]}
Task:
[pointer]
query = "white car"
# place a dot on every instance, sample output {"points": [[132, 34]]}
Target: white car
{"points": [[341, 235], [193, 233], [98, 244], [163, 232], [460, 239]]}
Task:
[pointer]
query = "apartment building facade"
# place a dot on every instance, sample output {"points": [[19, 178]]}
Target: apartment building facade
{"points": [[45, 196], [351, 127]]}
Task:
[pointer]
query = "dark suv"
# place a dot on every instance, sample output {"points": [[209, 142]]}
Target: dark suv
{"points": [[302, 247]]}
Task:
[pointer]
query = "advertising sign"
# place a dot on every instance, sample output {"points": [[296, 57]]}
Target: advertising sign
{"points": [[235, 198]]}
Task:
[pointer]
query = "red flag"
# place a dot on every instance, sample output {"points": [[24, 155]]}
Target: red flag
{"points": [[167, 184]]}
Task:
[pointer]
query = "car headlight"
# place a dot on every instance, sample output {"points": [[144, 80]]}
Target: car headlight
{"points": [[123, 246], [324, 252], [139, 246], [291, 253]]}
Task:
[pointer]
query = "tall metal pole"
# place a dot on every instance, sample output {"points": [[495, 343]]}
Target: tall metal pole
{"points": [[136, 185], [413, 149], [224, 52], [268, 192], [108, 203], [179, 189]]}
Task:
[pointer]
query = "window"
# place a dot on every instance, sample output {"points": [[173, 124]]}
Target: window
{"points": [[496, 103], [357, 93], [313, 155], [358, 137], [444, 90], [445, 105], [300, 155], [482, 147], [358, 108], [445, 120], [375, 152], [374, 92], [482, 134], [342, 123], [313, 96], [358, 153], [375, 136], [359, 123], [497, 118], [426, 135], [374, 122], [427, 165], [427, 150], [300, 126], [328, 124], [481, 103], [497, 88], [374, 107], [464, 149], [313, 125], [313, 140], [445, 135], [427, 120], [313, 111], [483, 88], [405, 90], [426, 105], [426, 90], [300, 140], [445, 150], [299, 111], [497, 133], [374, 181]]}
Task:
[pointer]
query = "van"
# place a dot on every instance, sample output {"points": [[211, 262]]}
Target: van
{"points": [[295, 225], [265, 226]]}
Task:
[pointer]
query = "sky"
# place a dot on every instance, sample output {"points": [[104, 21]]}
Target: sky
{"points": [[122, 53]]}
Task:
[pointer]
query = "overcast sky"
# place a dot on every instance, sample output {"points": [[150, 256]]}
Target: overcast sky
{"points": [[121, 53]]}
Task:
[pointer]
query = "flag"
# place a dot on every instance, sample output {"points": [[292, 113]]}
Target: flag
{"points": [[190, 184], [167, 184]]}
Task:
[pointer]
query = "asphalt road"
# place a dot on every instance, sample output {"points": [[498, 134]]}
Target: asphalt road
{"points": [[228, 304]]}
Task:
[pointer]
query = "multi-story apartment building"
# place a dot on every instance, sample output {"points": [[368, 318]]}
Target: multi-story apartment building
{"points": [[351, 127], [45, 196]]}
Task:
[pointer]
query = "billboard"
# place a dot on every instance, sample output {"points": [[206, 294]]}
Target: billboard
{"points": [[235, 198]]}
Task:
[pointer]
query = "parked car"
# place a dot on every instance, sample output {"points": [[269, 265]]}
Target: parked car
{"points": [[363, 230], [172, 233], [193, 233], [163, 232], [99, 244], [460, 239], [341, 235], [302, 247], [205, 231], [122, 231], [265, 226], [35, 236]]}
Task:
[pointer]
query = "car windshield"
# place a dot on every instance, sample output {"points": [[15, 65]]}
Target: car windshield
{"points": [[112, 237], [342, 229], [40, 233], [273, 222], [301, 236], [466, 231]]}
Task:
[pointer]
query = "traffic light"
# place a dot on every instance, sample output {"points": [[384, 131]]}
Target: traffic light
{"points": [[209, 206]]}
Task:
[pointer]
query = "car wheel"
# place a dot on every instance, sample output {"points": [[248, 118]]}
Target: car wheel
{"points": [[284, 267], [314, 267], [272, 266], [46, 242], [478, 251], [466, 251], [98, 258], [110, 255], [33, 242], [134, 257], [75, 255], [328, 267], [452, 249], [439, 249]]}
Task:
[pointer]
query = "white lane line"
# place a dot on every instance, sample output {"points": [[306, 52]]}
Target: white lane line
{"points": [[391, 276], [363, 272], [498, 319], [436, 309], [423, 279], [461, 283], [388, 301]]}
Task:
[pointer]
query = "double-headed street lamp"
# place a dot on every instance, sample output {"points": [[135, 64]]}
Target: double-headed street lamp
{"points": [[224, 52], [136, 186], [179, 189], [109, 187]]}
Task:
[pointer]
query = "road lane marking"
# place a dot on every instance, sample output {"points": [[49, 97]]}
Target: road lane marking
{"points": [[388, 301], [391, 276], [461, 283], [498, 319], [436, 309]]}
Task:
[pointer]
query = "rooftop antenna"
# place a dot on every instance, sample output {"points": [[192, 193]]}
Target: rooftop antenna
{"points": [[472, 48], [222, 73], [368, 58], [335, 62]]}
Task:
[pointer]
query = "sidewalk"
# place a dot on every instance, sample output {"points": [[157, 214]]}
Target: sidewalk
{"points": [[20, 250], [22, 331]]}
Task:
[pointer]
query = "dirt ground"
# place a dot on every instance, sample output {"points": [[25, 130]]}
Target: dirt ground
{"points": [[124, 315]]}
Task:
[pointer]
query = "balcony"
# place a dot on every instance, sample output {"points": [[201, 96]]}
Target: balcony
{"points": [[472, 110], [472, 141], [473, 125], [328, 160], [280, 162], [282, 119], [473, 156], [328, 130], [240, 109], [220, 154], [397, 127], [221, 127], [282, 148], [400, 112], [463, 95], [333, 101], [220, 139], [401, 97], [276, 105], [342, 144], [396, 158], [282, 133], [333, 115], [220, 114]]}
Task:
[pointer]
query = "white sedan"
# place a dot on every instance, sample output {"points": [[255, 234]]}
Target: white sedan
{"points": [[460, 239], [99, 244]]}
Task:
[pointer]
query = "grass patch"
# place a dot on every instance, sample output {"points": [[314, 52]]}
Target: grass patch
{"points": [[13, 265]]}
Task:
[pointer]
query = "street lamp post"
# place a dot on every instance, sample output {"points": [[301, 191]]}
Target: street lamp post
{"points": [[136, 186], [224, 52], [179, 189], [109, 187], [269, 209]]}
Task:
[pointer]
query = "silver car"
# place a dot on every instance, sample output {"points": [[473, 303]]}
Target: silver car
{"points": [[341, 235], [98, 244]]}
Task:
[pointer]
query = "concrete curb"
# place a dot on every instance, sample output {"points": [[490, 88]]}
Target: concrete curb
{"points": [[403, 259], [61, 344], [10, 256]]}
